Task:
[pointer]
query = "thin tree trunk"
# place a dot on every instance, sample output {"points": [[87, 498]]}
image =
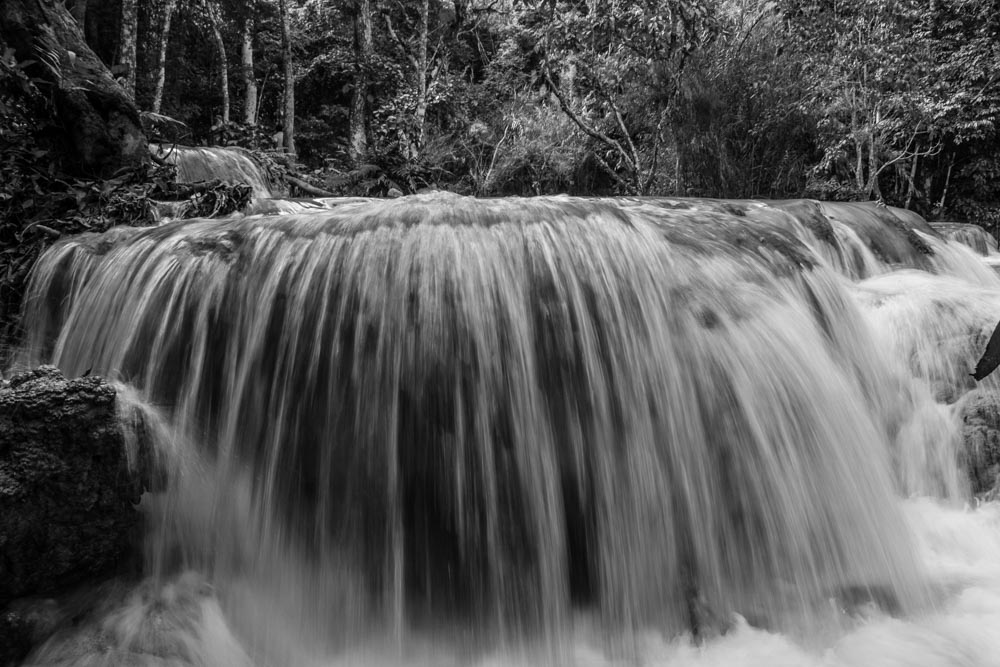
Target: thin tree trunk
{"points": [[911, 188], [678, 176], [249, 81], [126, 60], [161, 54], [859, 146], [873, 169], [220, 49], [947, 182], [358, 146], [421, 111], [288, 127]]}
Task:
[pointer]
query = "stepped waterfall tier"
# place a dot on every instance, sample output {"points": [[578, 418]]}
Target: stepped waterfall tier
{"points": [[487, 424], [205, 163], [973, 236]]}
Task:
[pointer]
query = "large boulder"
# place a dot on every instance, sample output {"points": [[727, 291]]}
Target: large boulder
{"points": [[67, 496], [981, 435]]}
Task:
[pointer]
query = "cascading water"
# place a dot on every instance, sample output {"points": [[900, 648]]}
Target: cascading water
{"points": [[971, 235], [284, 206], [227, 163], [482, 428]]}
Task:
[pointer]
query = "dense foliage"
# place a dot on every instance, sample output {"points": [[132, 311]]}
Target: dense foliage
{"points": [[855, 99]]}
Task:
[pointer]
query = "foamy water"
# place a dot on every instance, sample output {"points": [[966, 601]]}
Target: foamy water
{"points": [[188, 621], [959, 547]]}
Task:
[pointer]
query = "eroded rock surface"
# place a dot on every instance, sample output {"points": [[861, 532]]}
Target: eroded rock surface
{"points": [[67, 496], [981, 435]]}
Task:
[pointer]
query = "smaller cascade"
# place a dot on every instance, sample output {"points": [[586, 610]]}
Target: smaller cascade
{"points": [[892, 235], [289, 206], [939, 324], [226, 163], [956, 259], [858, 259], [934, 327], [968, 234]]}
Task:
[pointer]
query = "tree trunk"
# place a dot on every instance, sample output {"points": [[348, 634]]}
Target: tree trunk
{"points": [[161, 53], [126, 59], [911, 181], [288, 127], [873, 190], [421, 112], [220, 50], [859, 147], [98, 119], [249, 81], [678, 175], [359, 98], [947, 182]]}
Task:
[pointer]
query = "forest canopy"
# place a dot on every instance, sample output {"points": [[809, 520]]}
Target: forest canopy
{"points": [[897, 100]]}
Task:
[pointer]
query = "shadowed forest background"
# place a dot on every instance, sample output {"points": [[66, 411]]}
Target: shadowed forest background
{"points": [[895, 100]]}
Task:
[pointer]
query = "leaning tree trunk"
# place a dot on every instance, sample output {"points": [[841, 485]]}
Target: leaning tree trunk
{"points": [[872, 188], [358, 147], [100, 122], [220, 49], [130, 28], [249, 81], [422, 66], [161, 54], [288, 127]]}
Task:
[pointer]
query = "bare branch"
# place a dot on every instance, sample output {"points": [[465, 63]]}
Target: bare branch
{"points": [[403, 46], [589, 131], [614, 174], [621, 125], [906, 153]]}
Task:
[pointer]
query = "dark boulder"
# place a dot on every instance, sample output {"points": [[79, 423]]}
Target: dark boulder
{"points": [[67, 496]]}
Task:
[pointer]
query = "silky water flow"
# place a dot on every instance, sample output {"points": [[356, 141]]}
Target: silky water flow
{"points": [[439, 430]]}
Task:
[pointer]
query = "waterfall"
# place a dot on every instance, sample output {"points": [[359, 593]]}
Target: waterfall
{"points": [[973, 236], [227, 163], [444, 417]]}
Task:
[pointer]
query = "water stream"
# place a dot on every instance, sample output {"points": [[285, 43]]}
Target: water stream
{"points": [[205, 163], [439, 430]]}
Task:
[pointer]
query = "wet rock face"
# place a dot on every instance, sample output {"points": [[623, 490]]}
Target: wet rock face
{"points": [[67, 499], [981, 435]]}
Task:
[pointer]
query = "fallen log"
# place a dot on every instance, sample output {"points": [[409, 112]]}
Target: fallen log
{"points": [[307, 188]]}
